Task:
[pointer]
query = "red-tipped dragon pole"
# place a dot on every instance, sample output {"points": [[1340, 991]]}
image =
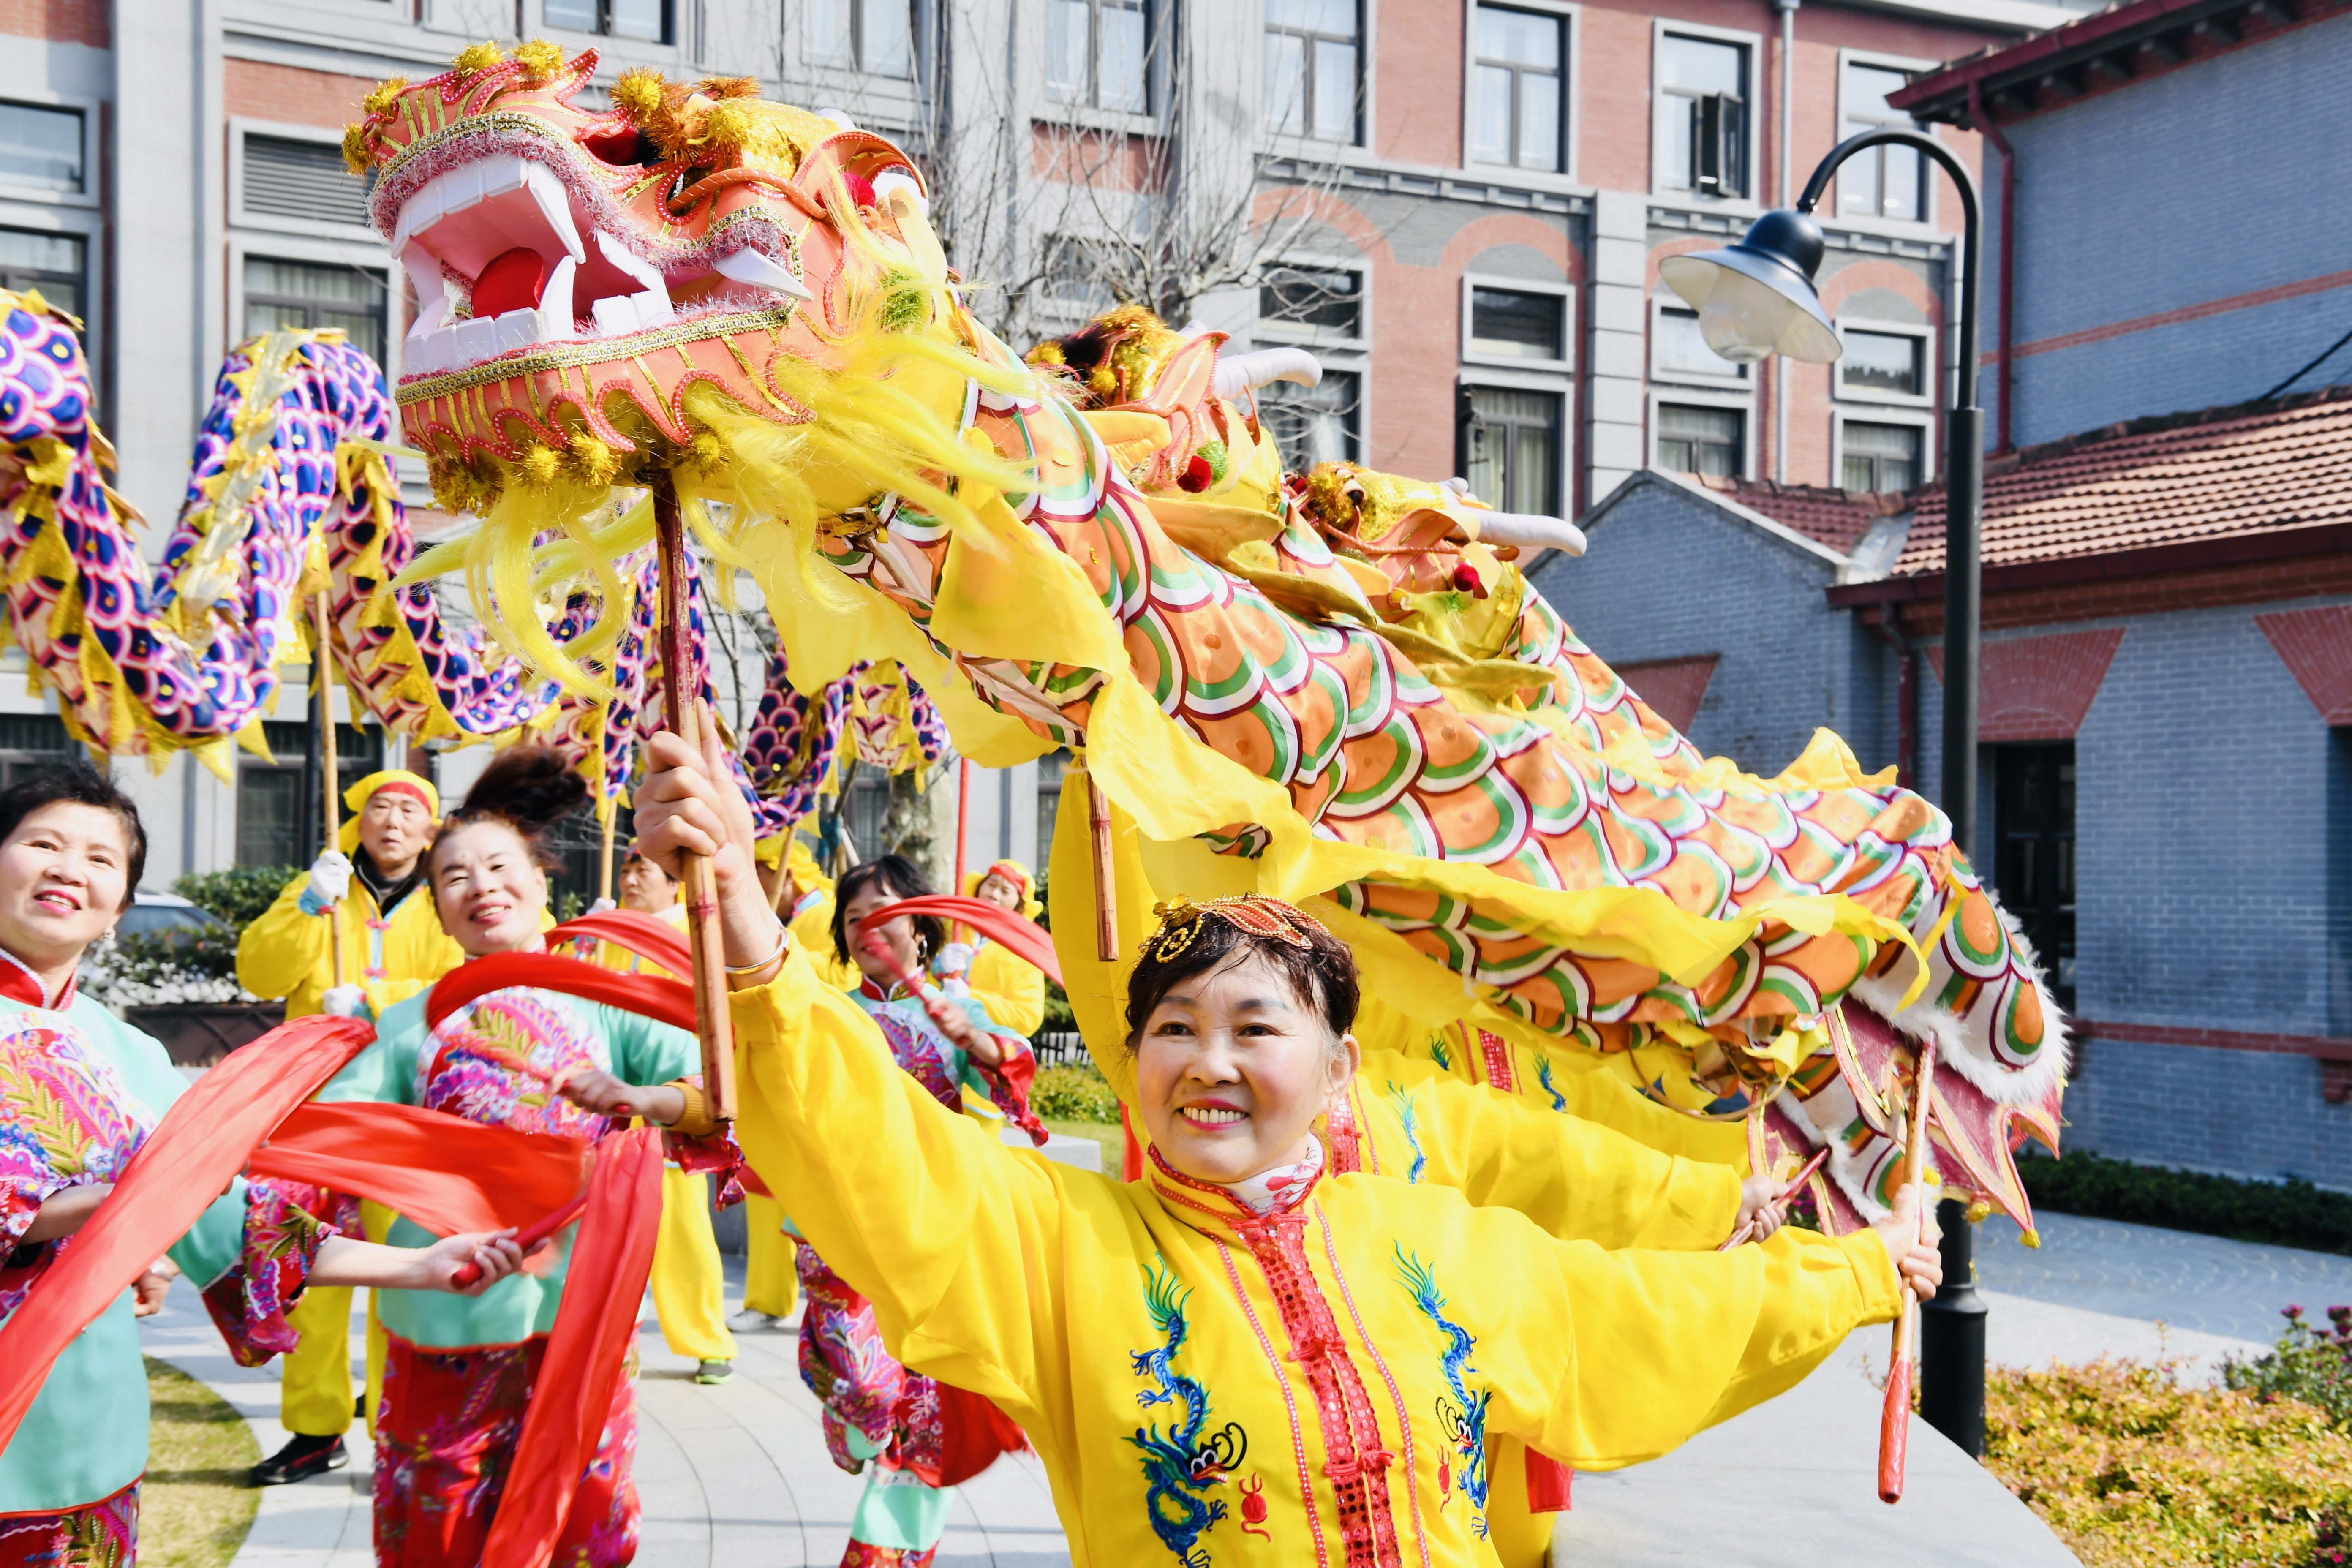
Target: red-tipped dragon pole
{"points": [[1895, 1421], [712, 1021]]}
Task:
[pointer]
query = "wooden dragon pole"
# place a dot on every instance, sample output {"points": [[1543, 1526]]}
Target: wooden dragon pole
{"points": [[1895, 1421], [712, 1020], [321, 626]]}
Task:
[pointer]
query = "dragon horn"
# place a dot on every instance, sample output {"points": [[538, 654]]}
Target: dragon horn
{"points": [[1237, 374]]}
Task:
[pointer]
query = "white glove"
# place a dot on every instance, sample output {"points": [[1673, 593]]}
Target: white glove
{"points": [[345, 1002], [953, 961], [330, 878], [603, 906]]}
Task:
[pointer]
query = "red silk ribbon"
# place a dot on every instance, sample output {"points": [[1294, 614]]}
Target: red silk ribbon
{"points": [[594, 1326], [654, 996], [191, 1157], [653, 939], [448, 1175], [1024, 938]]}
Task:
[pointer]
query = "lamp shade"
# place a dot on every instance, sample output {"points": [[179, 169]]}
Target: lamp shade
{"points": [[1755, 299]]}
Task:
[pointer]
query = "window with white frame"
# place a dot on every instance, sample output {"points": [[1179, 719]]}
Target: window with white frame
{"points": [[288, 177], [279, 293], [1882, 365], [877, 36], [1879, 182], [1518, 88], [1517, 323], [644, 20], [41, 148], [1697, 438], [1098, 54], [1702, 115], [51, 263], [1317, 424], [1326, 299], [1875, 457], [1679, 350], [1511, 448], [1313, 82]]}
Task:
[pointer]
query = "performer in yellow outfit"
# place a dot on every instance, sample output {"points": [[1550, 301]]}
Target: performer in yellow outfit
{"points": [[689, 1283], [772, 1285], [1242, 1347], [1009, 987], [359, 895]]}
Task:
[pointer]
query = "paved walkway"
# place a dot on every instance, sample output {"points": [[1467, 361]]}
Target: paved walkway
{"points": [[737, 1473]]}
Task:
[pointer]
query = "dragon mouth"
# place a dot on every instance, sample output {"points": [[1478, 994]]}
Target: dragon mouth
{"points": [[507, 259]]}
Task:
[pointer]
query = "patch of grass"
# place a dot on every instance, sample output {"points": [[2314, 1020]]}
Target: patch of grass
{"points": [[2284, 1214], [2132, 1470], [198, 1500]]}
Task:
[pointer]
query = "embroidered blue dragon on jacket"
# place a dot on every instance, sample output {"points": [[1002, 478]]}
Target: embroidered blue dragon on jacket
{"points": [[1463, 1418], [1410, 1120], [1179, 1464]]}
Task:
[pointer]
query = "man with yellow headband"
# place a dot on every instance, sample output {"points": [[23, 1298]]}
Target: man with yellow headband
{"points": [[369, 897]]}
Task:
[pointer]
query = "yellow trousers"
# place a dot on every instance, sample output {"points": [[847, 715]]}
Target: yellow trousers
{"points": [[1520, 1539], [316, 1387], [690, 1286], [772, 1281]]}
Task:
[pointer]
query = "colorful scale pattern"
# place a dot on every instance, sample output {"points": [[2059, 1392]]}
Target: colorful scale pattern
{"points": [[1373, 752]]}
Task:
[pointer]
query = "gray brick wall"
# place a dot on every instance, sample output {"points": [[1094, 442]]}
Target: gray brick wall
{"points": [[2197, 185], [1668, 577], [2213, 818], [2236, 1112]]}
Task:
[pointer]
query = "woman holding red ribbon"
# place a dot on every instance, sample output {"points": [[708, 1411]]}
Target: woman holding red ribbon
{"points": [[81, 1091], [460, 1374]]}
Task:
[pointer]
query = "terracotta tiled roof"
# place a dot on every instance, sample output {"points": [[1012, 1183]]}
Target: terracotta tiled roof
{"points": [[2174, 479], [1837, 519]]}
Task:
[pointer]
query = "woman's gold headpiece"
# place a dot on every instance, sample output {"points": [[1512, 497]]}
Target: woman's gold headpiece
{"points": [[1252, 914]]}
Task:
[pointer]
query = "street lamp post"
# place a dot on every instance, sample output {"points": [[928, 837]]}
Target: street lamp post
{"points": [[1754, 299]]}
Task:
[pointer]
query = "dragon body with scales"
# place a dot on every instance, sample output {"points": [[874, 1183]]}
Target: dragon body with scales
{"points": [[290, 488], [1328, 686]]}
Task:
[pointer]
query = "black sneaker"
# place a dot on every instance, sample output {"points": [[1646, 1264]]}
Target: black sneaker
{"points": [[301, 1458]]}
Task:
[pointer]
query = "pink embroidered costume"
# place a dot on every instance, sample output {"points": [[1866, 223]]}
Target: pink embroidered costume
{"points": [[460, 1371], [80, 1092]]}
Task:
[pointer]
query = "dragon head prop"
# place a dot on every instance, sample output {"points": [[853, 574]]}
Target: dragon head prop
{"points": [[586, 282]]}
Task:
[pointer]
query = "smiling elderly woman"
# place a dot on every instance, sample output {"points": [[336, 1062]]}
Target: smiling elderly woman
{"points": [[1241, 1343], [458, 1376], [80, 1092]]}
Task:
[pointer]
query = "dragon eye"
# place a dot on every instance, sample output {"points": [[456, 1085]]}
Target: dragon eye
{"points": [[624, 145]]}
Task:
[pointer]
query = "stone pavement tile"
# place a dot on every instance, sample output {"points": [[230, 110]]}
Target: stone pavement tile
{"points": [[1793, 1484], [2022, 1332], [2233, 1288], [322, 1522]]}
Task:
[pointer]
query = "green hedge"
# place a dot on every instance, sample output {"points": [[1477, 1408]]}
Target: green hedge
{"points": [[1076, 1094], [2285, 1214]]}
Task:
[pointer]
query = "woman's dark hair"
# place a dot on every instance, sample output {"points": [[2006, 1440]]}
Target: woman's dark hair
{"points": [[529, 787], [77, 783], [1322, 973], [897, 876]]}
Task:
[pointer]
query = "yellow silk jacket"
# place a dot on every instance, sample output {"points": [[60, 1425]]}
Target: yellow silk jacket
{"points": [[1207, 1385], [284, 953]]}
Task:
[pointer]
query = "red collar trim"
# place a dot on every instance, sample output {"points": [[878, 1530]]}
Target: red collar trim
{"points": [[19, 983], [1216, 1203]]}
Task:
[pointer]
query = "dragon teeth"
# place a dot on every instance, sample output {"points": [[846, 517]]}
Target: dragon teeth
{"points": [[760, 271]]}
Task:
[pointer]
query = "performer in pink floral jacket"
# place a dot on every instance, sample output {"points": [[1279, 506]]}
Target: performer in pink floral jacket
{"points": [[79, 1093]]}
